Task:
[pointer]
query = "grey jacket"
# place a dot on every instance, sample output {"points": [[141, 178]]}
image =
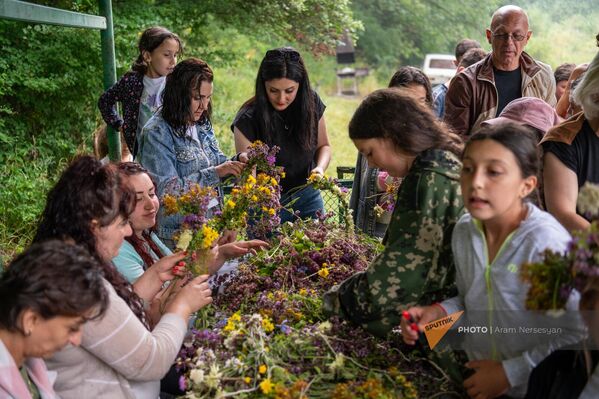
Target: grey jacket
{"points": [[494, 295]]}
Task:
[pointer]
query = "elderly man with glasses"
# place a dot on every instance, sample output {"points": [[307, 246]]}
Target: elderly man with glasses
{"points": [[484, 89]]}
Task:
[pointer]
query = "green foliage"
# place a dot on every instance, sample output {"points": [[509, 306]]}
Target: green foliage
{"points": [[51, 78], [402, 32]]}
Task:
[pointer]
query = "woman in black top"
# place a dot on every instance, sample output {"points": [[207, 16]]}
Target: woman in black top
{"points": [[286, 112]]}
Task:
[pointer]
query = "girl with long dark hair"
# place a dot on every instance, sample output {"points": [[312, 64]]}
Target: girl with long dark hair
{"points": [[178, 145], [286, 112]]}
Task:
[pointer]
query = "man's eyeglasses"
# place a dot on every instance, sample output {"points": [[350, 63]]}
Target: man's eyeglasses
{"points": [[505, 36], [284, 52]]}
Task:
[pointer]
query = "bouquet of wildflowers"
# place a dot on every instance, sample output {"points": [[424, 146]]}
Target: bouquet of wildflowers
{"points": [[196, 236], [254, 200], [556, 275]]}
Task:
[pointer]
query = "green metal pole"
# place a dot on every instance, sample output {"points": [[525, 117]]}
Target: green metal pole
{"points": [[109, 68]]}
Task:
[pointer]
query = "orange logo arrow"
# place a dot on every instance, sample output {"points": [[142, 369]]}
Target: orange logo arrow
{"points": [[435, 330]]}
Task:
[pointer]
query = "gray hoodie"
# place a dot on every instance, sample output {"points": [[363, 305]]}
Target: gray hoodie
{"points": [[494, 295]]}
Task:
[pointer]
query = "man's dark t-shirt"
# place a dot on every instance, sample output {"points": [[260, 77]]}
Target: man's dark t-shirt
{"points": [[509, 87], [297, 162]]}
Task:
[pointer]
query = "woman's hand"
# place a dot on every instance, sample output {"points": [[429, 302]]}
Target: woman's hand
{"points": [[229, 168], [243, 157], [193, 296], [227, 237], [488, 381], [223, 253], [421, 316], [317, 170], [163, 268]]}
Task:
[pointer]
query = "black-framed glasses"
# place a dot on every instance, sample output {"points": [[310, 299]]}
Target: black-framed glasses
{"points": [[517, 37], [283, 52]]}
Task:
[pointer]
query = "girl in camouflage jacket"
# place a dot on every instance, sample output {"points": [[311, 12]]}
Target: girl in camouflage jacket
{"points": [[397, 134]]}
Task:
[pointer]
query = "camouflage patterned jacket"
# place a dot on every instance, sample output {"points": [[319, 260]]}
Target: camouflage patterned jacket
{"points": [[416, 266]]}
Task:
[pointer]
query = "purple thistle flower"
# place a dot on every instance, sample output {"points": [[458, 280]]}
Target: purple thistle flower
{"points": [[182, 383]]}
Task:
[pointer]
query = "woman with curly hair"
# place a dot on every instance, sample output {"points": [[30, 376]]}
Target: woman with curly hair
{"points": [[120, 356]]}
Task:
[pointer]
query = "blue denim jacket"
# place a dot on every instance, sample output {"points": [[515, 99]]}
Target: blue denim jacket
{"points": [[175, 161]]}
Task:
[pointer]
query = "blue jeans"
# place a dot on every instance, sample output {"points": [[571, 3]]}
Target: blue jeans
{"points": [[307, 201]]}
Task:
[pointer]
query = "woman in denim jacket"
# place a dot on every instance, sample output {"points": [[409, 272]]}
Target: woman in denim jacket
{"points": [[178, 146]]}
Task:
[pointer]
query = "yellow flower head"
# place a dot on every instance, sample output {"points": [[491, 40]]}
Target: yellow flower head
{"points": [[236, 316], [266, 386], [262, 369], [303, 291], [209, 237], [267, 325], [324, 272], [231, 204], [170, 204], [247, 380]]}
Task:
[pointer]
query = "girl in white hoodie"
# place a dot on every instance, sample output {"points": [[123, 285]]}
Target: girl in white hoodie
{"points": [[490, 243]]}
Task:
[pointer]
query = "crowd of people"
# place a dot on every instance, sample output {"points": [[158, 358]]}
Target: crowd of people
{"points": [[489, 166]]}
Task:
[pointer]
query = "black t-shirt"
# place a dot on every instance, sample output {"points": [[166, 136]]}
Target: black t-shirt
{"points": [[582, 156], [297, 162], [509, 87]]}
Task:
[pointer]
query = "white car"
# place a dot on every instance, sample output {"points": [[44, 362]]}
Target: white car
{"points": [[439, 67]]}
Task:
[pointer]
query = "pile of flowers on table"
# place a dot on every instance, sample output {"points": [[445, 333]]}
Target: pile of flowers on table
{"points": [[554, 277], [267, 335]]}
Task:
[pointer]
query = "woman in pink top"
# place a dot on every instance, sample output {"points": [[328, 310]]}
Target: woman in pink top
{"points": [[39, 316]]}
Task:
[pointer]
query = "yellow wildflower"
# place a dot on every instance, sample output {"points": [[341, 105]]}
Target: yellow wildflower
{"points": [[209, 236], [235, 316], [283, 175], [230, 325], [273, 181], [266, 386], [267, 325], [247, 380], [271, 212], [262, 369], [324, 272], [231, 204], [170, 204], [303, 291], [254, 198]]}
